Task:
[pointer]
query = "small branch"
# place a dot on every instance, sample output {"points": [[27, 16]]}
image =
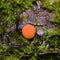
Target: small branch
{"points": [[48, 52], [16, 46]]}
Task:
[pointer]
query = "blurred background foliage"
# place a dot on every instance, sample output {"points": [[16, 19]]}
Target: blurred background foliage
{"points": [[9, 11]]}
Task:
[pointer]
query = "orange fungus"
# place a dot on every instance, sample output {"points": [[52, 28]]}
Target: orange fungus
{"points": [[28, 31]]}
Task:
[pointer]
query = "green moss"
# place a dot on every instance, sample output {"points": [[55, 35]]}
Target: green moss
{"points": [[2, 30], [9, 11], [12, 8], [11, 57], [54, 31]]}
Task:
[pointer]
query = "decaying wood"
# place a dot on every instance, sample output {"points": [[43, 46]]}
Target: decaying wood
{"points": [[41, 18]]}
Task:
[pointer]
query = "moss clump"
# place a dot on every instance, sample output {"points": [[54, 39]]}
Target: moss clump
{"points": [[19, 48]]}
